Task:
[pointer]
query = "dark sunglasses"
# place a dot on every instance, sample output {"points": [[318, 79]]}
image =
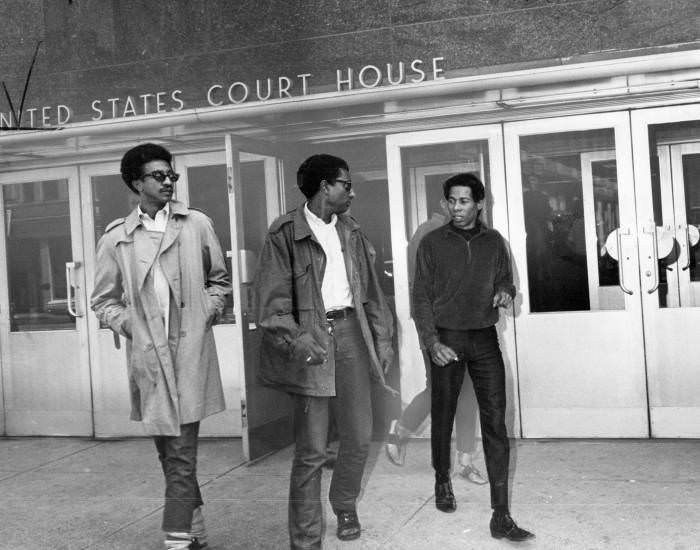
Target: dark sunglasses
{"points": [[160, 176], [347, 184]]}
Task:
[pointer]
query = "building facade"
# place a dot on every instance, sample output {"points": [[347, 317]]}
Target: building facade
{"points": [[582, 118]]}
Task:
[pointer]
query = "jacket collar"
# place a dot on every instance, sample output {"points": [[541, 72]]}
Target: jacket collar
{"points": [[132, 221], [450, 229], [302, 230]]}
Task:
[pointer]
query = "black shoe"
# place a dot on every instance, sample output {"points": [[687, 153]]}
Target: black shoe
{"points": [[348, 526], [196, 545], [503, 526], [444, 497]]}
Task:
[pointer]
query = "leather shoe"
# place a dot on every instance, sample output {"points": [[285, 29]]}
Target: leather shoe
{"points": [[444, 497], [503, 526], [348, 526]]}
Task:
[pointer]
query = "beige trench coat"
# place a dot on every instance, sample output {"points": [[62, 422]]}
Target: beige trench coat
{"points": [[173, 379]]}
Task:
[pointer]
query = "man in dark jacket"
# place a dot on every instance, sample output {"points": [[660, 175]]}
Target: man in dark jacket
{"points": [[463, 275], [326, 332]]}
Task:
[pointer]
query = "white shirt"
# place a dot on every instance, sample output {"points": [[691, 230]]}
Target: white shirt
{"points": [[335, 288], [160, 283]]}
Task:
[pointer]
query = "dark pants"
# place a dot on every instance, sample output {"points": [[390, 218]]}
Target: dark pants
{"points": [[478, 350], [178, 457], [352, 410]]}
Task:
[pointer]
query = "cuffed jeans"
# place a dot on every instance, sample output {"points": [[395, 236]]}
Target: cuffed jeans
{"points": [[178, 457], [478, 350], [352, 410]]}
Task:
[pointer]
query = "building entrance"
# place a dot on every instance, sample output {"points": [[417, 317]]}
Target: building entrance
{"points": [[599, 340]]}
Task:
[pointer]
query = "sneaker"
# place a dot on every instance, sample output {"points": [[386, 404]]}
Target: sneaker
{"points": [[395, 446], [472, 474]]}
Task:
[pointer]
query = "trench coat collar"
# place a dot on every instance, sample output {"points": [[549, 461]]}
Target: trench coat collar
{"points": [[132, 221], [302, 230]]}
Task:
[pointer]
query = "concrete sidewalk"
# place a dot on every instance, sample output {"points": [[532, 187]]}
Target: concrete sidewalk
{"points": [[74, 494]]}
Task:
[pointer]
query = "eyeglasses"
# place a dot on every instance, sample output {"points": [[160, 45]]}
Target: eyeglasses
{"points": [[160, 176], [347, 184]]}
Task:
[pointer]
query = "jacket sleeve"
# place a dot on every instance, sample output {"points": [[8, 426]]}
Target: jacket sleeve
{"points": [[217, 279], [274, 292], [504, 269], [107, 300], [379, 316], [422, 297]]}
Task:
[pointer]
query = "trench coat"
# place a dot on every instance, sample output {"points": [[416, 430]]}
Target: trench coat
{"points": [[290, 305], [174, 379]]}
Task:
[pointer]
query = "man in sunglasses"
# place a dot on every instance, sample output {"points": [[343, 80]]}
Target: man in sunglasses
{"points": [[160, 282], [326, 333]]}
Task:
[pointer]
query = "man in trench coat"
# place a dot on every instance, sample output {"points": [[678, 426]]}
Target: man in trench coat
{"points": [[160, 282]]}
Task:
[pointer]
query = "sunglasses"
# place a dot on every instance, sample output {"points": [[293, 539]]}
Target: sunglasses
{"points": [[160, 176]]}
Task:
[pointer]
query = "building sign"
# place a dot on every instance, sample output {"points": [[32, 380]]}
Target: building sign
{"points": [[235, 92]]}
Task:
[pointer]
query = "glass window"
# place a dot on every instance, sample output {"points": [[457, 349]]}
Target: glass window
{"points": [[675, 178], [571, 205], [209, 193], [38, 241]]}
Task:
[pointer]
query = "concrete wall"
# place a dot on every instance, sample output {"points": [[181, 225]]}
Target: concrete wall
{"points": [[100, 49]]}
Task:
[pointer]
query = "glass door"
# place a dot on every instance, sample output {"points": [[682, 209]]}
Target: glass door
{"points": [[255, 199], [43, 321], [667, 168], [418, 163], [105, 198], [573, 235]]}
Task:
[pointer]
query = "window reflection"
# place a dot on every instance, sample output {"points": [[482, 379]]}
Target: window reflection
{"points": [[570, 202], [38, 240]]}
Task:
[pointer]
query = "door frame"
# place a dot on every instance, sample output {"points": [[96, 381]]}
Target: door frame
{"points": [[82, 423], [559, 417], [412, 367], [671, 415]]}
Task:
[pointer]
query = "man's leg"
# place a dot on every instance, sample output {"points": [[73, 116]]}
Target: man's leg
{"points": [[465, 433], [487, 371], [412, 417], [446, 383], [310, 434], [178, 458], [352, 408]]}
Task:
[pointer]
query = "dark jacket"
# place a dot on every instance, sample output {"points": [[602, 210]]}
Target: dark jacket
{"points": [[289, 304], [455, 281]]}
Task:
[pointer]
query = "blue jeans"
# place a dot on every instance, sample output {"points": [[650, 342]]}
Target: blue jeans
{"points": [[352, 410], [178, 457], [478, 350]]}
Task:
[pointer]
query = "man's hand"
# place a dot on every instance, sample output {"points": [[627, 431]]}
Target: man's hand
{"points": [[305, 348], [442, 355], [502, 299]]}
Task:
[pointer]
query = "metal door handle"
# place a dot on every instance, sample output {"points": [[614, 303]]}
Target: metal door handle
{"points": [[655, 258], [620, 263], [70, 273], [686, 232]]}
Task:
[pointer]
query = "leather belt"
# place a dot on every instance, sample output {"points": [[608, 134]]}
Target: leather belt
{"points": [[336, 314]]}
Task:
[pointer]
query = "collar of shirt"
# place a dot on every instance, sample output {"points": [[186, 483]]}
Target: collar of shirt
{"points": [[159, 222], [317, 223]]}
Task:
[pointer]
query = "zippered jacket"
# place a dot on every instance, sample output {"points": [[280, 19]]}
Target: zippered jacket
{"points": [[455, 281], [290, 306]]}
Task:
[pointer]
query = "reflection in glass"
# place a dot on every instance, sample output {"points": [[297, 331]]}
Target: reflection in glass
{"points": [[38, 240], [571, 205], [675, 178], [209, 193]]}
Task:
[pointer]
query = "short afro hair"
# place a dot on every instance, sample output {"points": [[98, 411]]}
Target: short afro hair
{"points": [[134, 159], [317, 168], [465, 179]]}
